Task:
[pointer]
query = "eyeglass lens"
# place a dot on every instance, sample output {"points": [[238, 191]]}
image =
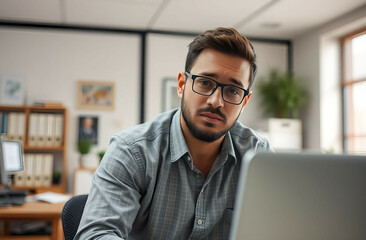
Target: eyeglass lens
{"points": [[207, 86]]}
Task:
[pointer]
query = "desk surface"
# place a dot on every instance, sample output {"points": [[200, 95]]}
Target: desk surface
{"points": [[33, 210]]}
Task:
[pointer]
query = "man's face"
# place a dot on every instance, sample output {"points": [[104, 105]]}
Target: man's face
{"points": [[208, 118], [88, 123]]}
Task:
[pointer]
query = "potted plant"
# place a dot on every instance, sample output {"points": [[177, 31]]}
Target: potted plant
{"points": [[56, 177], [84, 146], [101, 155], [282, 96]]}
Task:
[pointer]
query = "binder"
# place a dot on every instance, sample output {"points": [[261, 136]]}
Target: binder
{"points": [[41, 130], [29, 181], [58, 130], [4, 123], [50, 119], [48, 170], [20, 130], [19, 177], [38, 169], [12, 126], [33, 129]]}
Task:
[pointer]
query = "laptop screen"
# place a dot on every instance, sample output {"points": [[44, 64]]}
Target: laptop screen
{"points": [[300, 196]]}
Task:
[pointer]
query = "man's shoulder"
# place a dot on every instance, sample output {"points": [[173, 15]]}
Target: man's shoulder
{"points": [[148, 131], [241, 134]]}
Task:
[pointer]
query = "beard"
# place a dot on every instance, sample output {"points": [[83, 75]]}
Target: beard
{"points": [[199, 133]]}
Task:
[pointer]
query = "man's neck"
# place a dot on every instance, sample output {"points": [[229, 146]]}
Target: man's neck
{"points": [[203, 153]]}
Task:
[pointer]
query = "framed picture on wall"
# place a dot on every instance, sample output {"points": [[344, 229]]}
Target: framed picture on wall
{"points": [[88, 128], [12, 91], [170, 98], [94, 95]]}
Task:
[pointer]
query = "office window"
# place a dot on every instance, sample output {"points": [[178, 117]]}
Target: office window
{"points": [[354, 92]]}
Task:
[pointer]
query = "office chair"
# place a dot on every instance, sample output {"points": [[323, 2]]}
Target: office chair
{"points": [[71, 215]]}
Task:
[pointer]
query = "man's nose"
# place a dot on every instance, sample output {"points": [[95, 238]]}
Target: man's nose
{"points": [[216, 99]]}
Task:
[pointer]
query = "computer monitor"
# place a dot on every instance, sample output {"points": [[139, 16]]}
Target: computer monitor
{"points": [[11, 160]]}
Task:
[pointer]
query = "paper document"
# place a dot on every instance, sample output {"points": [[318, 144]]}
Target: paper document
{"points": [[50, 197]]}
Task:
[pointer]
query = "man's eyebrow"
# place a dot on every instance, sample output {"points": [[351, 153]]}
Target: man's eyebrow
{"points": [[214, 75]]}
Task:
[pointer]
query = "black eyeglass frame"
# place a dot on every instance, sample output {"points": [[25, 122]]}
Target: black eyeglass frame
{"points": [[193, 77]]}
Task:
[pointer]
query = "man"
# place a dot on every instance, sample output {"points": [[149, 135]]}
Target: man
{"points": [[176, 176]]}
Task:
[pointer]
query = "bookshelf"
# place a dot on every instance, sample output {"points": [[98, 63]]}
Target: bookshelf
{"points": [[43, 133]]}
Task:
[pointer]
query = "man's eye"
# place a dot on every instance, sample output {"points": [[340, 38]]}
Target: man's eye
{"points": [[204, 83], [232, 91]]}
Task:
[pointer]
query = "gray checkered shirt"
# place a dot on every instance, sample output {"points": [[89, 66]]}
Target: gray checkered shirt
{"points": [[148, 188]]}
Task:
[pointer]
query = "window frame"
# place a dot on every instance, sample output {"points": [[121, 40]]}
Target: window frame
{"points": [[348, 133]]}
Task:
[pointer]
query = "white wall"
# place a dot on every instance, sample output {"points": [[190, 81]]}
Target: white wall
{"points": [[51, 63], [316, 56], [165, 58]]}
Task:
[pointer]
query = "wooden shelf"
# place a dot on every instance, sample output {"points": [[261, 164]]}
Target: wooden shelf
{"points": [[43, 149], [59, 152], [59, 188]]}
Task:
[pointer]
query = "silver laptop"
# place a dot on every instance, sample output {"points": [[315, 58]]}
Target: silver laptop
{"points": [[283, 196]]}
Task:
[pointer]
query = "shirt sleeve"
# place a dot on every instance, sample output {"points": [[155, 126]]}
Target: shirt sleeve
{"points": [[113, 201]]}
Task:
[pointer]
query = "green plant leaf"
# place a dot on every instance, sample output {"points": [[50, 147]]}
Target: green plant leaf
{"points": [[281, 94], [84, 146]]}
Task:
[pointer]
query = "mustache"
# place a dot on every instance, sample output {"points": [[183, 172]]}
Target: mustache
{"points": [[213, 111]]}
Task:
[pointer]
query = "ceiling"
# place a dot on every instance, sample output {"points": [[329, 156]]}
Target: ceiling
{"points": [[282, 19]]}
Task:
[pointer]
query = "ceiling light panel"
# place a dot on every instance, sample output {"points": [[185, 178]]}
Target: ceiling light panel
{"points": [[297, 16], [111, 13], [30, 10], [200, 15]]}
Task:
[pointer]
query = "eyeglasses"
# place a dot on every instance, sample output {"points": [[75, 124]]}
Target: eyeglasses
{"points": [[206, 86]]}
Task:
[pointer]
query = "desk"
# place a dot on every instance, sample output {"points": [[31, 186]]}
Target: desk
{"points": [[33, 211]]}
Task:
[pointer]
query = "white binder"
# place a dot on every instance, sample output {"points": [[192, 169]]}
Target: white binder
{"points": [[38, 169], [48, 170], [29, 159], [59, 120], [12, 126], [42, 130], [50, 119], [33, 129], [21, 127]]}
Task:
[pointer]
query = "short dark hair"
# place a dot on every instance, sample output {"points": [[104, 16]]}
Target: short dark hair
{"points": [[225, 40]]}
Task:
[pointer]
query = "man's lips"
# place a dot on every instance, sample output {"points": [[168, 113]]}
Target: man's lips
{"points": [[211, 117]]}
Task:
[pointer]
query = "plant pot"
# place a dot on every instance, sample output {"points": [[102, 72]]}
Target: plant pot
{"points": [[83, 161], [285, 134]]}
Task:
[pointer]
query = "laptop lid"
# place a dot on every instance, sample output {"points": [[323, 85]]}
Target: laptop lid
{"points": [[300, 196]]}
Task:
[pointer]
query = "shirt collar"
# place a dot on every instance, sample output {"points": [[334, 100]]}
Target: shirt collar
{"points": [[178, 146]]}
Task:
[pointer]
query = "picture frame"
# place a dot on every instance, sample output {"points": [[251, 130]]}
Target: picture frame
{"points": [[88, 128], [95, 95], [12, 91], [170, 97]]}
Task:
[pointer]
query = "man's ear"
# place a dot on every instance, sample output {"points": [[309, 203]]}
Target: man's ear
{"points": [[245, 101], [181, 84]]}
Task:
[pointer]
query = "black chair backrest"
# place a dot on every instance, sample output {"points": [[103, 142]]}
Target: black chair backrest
{"points": [[71, 215]]}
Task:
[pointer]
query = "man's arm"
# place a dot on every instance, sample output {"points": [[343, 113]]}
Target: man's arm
{"points": [[113, 200]]}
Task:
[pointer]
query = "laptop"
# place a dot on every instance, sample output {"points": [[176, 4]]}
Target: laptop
{"points": [[283, 196]]}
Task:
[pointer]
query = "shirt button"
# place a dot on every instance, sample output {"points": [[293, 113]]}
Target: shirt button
{"points": [[188, 158], [199, 222], [202, 190]]}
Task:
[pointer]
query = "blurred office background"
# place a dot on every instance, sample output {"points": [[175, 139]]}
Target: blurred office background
{"points": [[141, 45]]}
